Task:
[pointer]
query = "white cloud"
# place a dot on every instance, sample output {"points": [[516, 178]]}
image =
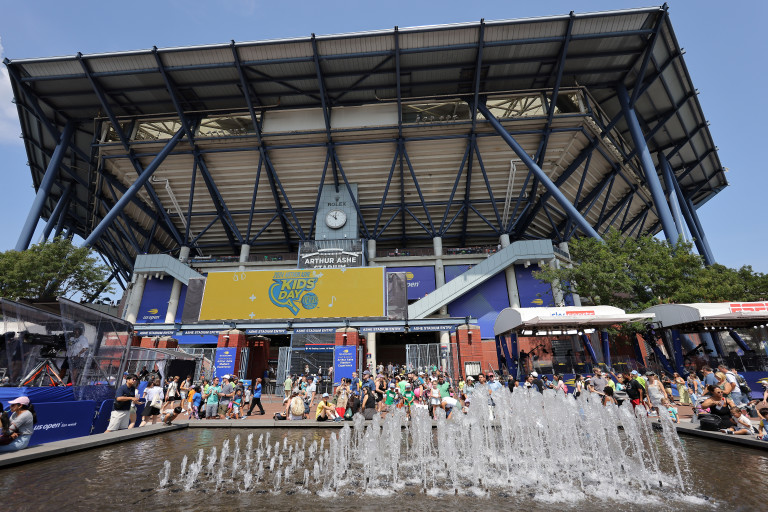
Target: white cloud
{"points": [[9, 117]]}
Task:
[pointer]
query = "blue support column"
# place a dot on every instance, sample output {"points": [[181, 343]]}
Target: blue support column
{"points": [[709, 258], [57, 212], [740, 342], [659, 354], [677, 349], [638, 352], [570, 210], [588, 346], [674, 203], [606, 348], [133, 189], [510, 358], [51, 173], [502, 362], [513, 358], [651, 178]]}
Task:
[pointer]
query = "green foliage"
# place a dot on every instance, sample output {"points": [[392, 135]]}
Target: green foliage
{"points": [[634, 274], [51, 269]]}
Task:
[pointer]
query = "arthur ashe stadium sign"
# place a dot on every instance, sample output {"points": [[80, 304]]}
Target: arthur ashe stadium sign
{"points": [[331, 254]]}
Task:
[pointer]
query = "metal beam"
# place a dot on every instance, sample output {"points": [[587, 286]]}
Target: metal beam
{"points": [[51, 173], [125, 142], [651, 177], [133, 189], [540, 174], [61, 205]]}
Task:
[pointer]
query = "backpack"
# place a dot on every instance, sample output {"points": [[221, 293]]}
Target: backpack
{"points": [[742, 382], [709, 422], [297, 406]]}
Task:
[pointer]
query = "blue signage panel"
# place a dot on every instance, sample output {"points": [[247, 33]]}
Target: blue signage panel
{"points": [[484, 302], [266, 331], [180, 308], [225, 361], [533, 293], [344, 362], [154, 302], [420, 280], [57, 421]]}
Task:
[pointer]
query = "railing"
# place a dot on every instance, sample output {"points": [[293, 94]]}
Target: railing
{"points": [[447, 251]]}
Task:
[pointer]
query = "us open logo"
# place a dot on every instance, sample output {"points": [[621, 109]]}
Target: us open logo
{"points": [[289, 289]]}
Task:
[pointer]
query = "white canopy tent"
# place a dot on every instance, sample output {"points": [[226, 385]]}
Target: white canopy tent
{"points": [[562, 318], [707, 315]]}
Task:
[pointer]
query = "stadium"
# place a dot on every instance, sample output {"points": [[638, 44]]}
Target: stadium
{"points": [[390, 190]]}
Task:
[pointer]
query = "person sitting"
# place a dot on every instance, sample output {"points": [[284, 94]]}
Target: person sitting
{"points": [[719, 405], [762, 429], [169, 417], [671, 409], [295, 407], [286, 410], [22, 424], [326, 410], [742, 425]]}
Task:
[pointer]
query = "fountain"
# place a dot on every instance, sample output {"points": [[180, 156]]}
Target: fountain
{"points": [[548, 448]]}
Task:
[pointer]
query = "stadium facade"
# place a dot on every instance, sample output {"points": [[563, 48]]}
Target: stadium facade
{"points": [[305, 189]]}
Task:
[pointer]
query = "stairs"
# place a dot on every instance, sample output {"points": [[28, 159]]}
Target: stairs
{"points": [[517, 252]]}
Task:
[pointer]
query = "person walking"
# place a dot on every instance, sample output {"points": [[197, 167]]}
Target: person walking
{"points": [[121, 409], [682, 389], [256, 399]]}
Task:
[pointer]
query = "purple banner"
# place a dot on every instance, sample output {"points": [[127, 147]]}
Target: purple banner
{"points": [[420, 280], [533, 293], [484, 302]]}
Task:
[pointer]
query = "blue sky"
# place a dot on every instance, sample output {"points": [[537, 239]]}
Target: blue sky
{"points": [[725, 53]]}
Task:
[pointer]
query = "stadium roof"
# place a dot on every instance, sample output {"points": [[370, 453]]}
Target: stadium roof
{"points": [[590, 52]]}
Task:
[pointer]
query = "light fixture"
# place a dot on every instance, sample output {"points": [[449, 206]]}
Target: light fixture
{"points": [[289, 327]]}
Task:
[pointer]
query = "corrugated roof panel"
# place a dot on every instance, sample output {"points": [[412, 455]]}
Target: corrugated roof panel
{"points": [[287, 50], [197, 57], [621, 23], [123, 63], [52, 68]]}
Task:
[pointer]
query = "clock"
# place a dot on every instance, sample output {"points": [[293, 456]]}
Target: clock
{"points": [[336, 219]]}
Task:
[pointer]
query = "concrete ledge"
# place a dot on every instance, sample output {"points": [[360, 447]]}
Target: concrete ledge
{"points": [[270, 423], [45, 451], [749, 441]]}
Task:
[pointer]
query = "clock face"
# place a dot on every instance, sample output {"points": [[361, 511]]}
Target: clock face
{"points": [[335, 219]]}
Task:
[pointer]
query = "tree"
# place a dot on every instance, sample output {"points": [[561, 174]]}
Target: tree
{"points": [[52, 269], [634, 274]]}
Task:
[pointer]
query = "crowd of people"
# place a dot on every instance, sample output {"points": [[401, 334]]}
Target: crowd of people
{"points": [[718, 397]]}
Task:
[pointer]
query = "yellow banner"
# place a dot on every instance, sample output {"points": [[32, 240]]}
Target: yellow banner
{"points": [[310, 293]]}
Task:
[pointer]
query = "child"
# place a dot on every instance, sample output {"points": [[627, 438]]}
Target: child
{"points": [[671, 409], [197, 399], [237, 404], [763, 427], [743, 425], [172, 415]]}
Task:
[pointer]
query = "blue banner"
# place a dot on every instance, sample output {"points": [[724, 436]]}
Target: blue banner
{"points": [[225, 361], [344, 362], [533, 293], [154, 302], [420, 280], [57, 421]]}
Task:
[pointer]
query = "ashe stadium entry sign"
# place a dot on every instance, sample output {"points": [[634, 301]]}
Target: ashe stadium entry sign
{"points": [[278, 294]]}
